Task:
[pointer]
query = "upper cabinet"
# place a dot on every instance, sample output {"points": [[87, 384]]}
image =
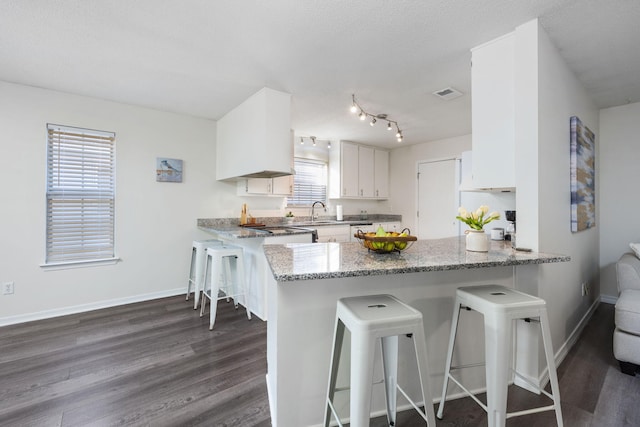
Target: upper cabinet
{"points": [[358, 172], [381, 174], [254, 140], [493, 114], [281, 186]]}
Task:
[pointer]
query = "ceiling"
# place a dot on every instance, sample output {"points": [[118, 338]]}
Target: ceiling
{"points": [[203, 58]]}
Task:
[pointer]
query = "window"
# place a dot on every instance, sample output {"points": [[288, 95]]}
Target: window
{"points": [[80, 195], [309, 182]]}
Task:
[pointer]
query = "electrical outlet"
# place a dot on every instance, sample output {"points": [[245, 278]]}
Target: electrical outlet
{"points": [[7, 288], [585, 288]]}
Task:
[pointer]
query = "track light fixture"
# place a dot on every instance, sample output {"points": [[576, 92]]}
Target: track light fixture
{"points": [[313, 140], [374, 118]]}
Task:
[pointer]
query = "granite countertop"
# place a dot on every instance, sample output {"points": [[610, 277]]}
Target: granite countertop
{"points": [[306, 261], [245, 232], [229, 226]]}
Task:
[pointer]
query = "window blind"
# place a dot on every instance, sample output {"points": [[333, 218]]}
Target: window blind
{"points": [[80, 194], [309, 183]]}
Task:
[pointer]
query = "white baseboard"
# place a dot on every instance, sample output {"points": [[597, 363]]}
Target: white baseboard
{"points": [[47, 314], [570, 342], [609, 299]]}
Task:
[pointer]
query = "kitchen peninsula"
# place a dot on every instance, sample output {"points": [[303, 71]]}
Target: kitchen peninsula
{"points": [[308, 279], [271, 230]]}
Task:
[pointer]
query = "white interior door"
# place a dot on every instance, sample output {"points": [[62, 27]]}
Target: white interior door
{"points": [[438, 198]]}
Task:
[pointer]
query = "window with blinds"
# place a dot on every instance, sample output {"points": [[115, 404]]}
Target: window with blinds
{"points": [[80, 195], [309, 183]]}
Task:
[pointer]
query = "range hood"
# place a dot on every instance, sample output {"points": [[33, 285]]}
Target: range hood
{"points": [[266, 174], [254, 140]]}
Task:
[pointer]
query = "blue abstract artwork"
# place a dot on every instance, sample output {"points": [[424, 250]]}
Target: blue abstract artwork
{"points": [[583, 189]]}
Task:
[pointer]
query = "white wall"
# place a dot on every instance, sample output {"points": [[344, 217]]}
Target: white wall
{"points": [[549, 94], [403, 165], [619, 200], [155, 222]]}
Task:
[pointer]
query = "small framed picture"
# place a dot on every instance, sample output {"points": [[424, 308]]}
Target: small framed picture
{"points": [[168, 170]]}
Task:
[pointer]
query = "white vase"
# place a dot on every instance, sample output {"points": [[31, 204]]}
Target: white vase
{"points": [[477, 241]]}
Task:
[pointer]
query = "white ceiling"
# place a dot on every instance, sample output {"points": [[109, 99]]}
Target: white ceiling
{"points": [[204, 57]]}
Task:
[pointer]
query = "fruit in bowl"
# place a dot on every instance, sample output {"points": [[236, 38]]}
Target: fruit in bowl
{"points": [[385, 241]]}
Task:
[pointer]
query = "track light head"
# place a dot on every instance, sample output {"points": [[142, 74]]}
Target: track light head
{"points": [[388, 125], [372, 122], [362, 115]]}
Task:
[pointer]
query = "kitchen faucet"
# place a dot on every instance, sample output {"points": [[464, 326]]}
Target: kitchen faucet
{"points": [[313, 206]]}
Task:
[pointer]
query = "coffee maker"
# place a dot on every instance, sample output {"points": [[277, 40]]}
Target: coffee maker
{"points": [[510, 232]]}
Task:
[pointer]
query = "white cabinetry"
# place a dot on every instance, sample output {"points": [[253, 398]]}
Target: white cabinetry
{"points": [[381, 174], [281, 186], [365, 171], [333, 233], [348, 170], [358, 172], [493, 113]]}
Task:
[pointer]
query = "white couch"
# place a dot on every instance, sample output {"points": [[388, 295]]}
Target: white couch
{"points": [[626, 337]]}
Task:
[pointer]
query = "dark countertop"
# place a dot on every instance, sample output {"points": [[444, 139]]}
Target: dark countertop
{"points": [[306, 261]]}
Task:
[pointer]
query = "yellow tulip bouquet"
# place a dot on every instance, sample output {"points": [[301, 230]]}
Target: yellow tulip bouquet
{"points": [[478, 219]]}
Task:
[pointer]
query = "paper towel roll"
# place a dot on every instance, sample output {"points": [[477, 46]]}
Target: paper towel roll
{"points": [[339, 212]]}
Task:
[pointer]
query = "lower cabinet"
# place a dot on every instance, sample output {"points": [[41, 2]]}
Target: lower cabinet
{"points": [[333, 233]]}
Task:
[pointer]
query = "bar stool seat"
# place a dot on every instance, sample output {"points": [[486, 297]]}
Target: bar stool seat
{"points": [[500, 306], [371, 319], [227, 262], [196, 271]]}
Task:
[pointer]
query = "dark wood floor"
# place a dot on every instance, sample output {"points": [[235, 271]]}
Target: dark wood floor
{"points": [[157, 364]]}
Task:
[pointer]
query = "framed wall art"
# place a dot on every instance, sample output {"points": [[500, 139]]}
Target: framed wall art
{"points": [[583, 176], [168, 170]]}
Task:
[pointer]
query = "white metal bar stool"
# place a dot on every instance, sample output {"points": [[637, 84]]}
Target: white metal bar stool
{"points": [[229, 257], [500, 306], [369, 319], [196, 271]]}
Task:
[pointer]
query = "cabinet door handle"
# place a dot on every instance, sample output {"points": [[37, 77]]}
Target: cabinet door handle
{"points": [[361, 192]]}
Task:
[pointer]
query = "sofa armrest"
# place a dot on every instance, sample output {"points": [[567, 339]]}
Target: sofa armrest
{"points": [[628, 272]]}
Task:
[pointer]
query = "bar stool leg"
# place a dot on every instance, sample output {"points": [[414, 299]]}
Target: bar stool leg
{"points": [[191, 273], [242, 284], [420, 345], [447, 369], [551, 364], [215, 287], [338, 336], [390, 369], [207, 273], [362, 350], [498, 333]]}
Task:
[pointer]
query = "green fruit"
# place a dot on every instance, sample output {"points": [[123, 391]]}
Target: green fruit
{"points": [[401, 245], [389, 246], [380, 231]]}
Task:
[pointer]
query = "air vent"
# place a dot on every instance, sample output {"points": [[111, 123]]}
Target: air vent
{"points": [[447, 93]]}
